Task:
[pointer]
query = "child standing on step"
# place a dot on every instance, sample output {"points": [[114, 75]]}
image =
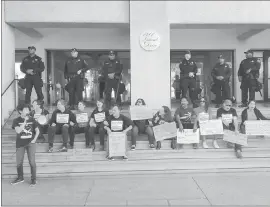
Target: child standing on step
{"points": [[27, 133], [98, 117], [117, 123], [82, 126], [142, 126], [62, 119]]}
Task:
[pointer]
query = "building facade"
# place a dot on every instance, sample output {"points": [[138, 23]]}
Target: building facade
{"points": [[207, 28]]}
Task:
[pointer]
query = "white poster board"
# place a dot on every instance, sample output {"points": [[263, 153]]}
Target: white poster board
{"points": [[140, 113], [117, 144], [62, 118], [211, 127], [258, 127], [188, 137], [231, 136], [165, 131]]}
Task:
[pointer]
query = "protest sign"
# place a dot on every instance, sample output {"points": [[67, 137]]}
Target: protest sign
{"points": [[62, 118], [82, 117], [231, 136], [117, 144], [188, 137], [258, 127], [211, 127], [140, 113], [100, 117], [165, 131]]}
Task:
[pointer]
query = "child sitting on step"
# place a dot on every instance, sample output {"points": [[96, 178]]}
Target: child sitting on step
{"points": [[142, 126], [82, 126], [61, 121], [98, 116], [117, 123]]}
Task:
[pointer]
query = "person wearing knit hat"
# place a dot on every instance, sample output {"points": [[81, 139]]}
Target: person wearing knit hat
{"points": [[188, 70]]}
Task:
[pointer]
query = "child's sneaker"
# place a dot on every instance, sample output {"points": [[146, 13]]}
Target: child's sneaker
{"points": [[133, 147], [110, 158], [63, 149], [152, 146], [215, 144], [125, 158], [205, 146], [93, 147], [50, 150], [17, 181], [238, 154], [33, 182]]}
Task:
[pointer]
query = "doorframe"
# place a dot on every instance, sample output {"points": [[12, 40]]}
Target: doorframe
{"points": [[266, 66]]}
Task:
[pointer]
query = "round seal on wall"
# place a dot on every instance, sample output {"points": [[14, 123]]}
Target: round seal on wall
{"points": [[149, 40]]}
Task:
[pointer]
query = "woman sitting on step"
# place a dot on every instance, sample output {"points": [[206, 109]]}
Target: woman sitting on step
{"points": [[203, 113], [41, 115], [250, 113], [117, 123], [98, 116], [163, 116], [228, 116], [141, 127], [185, 117]]}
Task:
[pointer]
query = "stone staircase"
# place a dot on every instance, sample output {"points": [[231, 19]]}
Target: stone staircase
{"points": [[80, 161]]}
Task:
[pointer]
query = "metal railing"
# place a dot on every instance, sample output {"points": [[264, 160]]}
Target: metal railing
{"points": [[9, 86]]}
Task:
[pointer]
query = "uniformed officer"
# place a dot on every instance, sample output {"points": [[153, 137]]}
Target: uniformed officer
{"points": [[112, 70], [32, 66], [248, 74], [75, 68], [221, 74], [188, 70]]}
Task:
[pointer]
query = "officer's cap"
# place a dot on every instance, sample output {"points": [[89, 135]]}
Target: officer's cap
{"points": [[111, 52], [221, 57], [31, 47], [74, 50], [187, 52], [249, 51]]}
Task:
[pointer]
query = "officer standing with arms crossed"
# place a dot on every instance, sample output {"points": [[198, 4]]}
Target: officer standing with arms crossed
{"points": [[33, 66], [248, 74], [75, 68], [112, 70], [188, 70], [221, 74]]}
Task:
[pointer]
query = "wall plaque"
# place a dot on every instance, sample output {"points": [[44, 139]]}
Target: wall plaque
{"points": [[149, 40]]}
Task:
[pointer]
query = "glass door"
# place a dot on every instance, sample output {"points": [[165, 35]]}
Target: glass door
{"points": [[266, 80]]}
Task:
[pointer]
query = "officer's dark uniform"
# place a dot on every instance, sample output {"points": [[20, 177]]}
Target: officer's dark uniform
{"points": [[75, 84], [112, 66], [35, 63], [222, 86], [187, 66], [249, 80]]}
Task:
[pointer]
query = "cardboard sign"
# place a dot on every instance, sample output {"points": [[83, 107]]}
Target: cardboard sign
{"points": [[36, 116], [42, 120], [140, 113], [116, 125], [203, 117], [227, 118], [188, 137], [99, 117], [117, 144], [82, 118], [258, 127], [230, 136], [211, 127], [62, 118], [165, 131]]}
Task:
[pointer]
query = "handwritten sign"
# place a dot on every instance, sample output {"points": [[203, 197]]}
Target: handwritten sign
{"points": [[227, 118], [259, 127], [165, 131], [188, 137], [149, 40], [99, 117], [230, 136], [62, 118], [140, 113], [82, 118], [117, 125], [42, 120], [211, 127], [117, 144], [36, 116], [203, 117]]}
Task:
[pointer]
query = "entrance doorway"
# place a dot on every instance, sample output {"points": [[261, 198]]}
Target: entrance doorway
{"points": [[94, 85], [266, 79]]}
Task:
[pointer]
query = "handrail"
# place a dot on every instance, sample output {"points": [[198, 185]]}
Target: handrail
{"points": [[8, 86]]}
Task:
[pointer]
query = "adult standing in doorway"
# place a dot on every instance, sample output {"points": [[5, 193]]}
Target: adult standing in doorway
{"points": [[112, 70], [248, 74], [33, 66], [75, 68], [188, 70], [221, 74]]}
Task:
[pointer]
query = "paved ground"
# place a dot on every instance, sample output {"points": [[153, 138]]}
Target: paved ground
{"points": [[159, 190]]}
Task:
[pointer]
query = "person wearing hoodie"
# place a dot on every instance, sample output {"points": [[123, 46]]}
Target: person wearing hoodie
{"points": [[251, 113], [140, 127]]}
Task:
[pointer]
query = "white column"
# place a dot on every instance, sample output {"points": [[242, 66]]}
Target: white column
{"points": [[150, 70], [8, 67], [239, 56]]}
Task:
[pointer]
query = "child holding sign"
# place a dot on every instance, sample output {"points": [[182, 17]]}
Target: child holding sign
{"points": [[82, 126], [185, 117], [142, 126], [163, 116], [98, 117], [62, 119], [203, 113], [117, 123], [36, 114], [228, 116], [27, 133]]}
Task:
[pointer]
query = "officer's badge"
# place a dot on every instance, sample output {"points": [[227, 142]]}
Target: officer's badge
{"points": [[85, 62], [258, 60], [36, 59], [191, 63], [252, 61]]}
